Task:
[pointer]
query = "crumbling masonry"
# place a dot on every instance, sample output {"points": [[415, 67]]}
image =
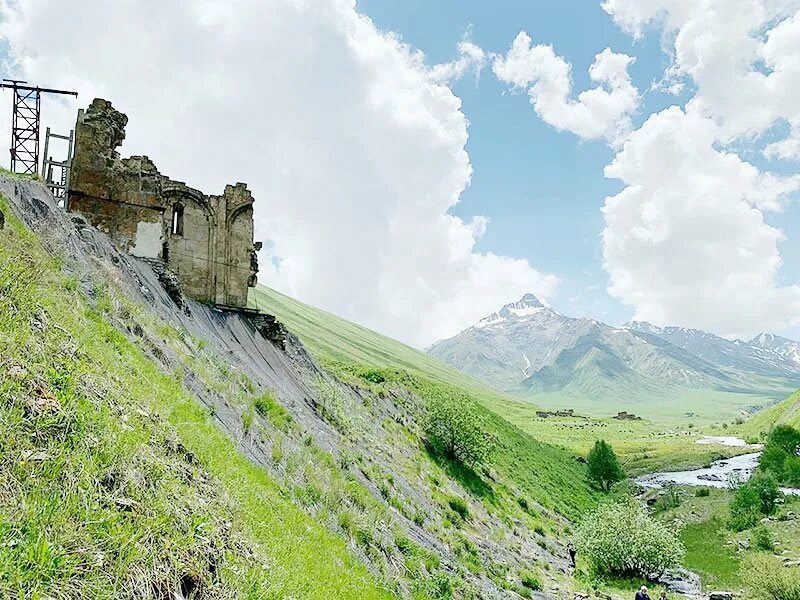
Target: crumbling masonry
{"points": [[207, 241]]}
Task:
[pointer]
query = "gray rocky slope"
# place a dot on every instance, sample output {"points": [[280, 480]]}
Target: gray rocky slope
{"points": [[528, 348], [234, 355]]}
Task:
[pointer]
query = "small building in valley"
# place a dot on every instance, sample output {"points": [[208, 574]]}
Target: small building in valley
{"points": [[206, 240]]}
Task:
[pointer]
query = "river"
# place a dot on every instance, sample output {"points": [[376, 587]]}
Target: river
{"points": [[720, 474]]}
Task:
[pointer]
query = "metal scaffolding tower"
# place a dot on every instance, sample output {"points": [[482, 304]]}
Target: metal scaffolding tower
{"points": [[25, 117]]}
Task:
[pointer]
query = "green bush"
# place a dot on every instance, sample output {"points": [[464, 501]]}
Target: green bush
{"points": [[762, 540], [669, 500], [604, 469], [621, 539], [454, 428], [702, 492], [780, 455], [530, 580], [373, 376], [752, 500], [768, 492], [744, 509], [768, 579], [459, 506], [267, 406]]}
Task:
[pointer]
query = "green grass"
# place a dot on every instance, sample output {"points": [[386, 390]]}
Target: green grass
{"points": [[333, 339], [542, 472], [786, 412], [112, 475], [709, 555], [672, 406]]}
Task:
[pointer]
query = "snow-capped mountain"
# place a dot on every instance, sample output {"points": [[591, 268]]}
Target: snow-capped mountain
{"points": [[529, 349], [772, 344], [730, 354]]}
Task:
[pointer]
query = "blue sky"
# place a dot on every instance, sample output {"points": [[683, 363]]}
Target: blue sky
{"points": [[543, 189]]}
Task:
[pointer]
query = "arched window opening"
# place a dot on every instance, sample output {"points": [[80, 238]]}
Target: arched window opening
{"points": [[177, 220]]}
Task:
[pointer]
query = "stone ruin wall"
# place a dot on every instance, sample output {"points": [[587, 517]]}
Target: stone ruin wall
{"points": [[206, 240]]}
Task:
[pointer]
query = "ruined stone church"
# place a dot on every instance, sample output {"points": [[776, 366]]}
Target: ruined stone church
{"points": [[206, 240]]}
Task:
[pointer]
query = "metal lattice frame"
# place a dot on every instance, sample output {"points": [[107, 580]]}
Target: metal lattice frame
{"points": [[25, 118], [25, 131]]}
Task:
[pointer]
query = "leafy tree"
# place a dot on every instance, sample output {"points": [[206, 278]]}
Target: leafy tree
{"points": [[604, 468], [454, 427], [752, 500], [766, 488], [780, 456], [744, 509], [621, 539]]}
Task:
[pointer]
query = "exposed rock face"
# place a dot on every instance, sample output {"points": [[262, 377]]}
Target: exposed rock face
{"points": [[206, 240]]}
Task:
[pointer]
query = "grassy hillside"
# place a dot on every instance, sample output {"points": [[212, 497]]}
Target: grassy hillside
{"points": [[113, 478], [644, 446], [785, 412], [543, 472], [334, 339]]}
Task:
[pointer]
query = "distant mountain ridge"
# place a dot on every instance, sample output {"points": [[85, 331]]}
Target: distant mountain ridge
{"points": [[534, 351]]}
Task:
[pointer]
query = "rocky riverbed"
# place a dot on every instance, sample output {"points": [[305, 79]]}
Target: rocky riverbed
{"points": [[719, 474]]}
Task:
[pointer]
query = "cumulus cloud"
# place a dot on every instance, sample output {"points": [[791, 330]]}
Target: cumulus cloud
{"points": [[601, 112], [471, 57], [742, 55], [686, 241], [353, 147]]}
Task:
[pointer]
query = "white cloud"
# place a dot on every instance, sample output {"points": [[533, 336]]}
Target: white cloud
{"points": [[471, 57], [353, 148], [601, 112], [687, 241], [742, 55]]}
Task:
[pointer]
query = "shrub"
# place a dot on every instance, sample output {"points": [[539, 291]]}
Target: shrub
{"points": [[768, 492], [530, 580], [454, 428], [752, 500], [604, 469], [780, 455], [621, 539], [373, 376], [668, 500], [702, 492], [770, 580], [267, 406], [744, 508], [459, 506], [762, 540]]}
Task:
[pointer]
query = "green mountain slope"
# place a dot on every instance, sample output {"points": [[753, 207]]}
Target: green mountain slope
{"points": [[786, 412], [335, 339], [544, 473], [158, 444], [113, 478]]}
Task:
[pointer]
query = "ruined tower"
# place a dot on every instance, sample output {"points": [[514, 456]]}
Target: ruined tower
{"points": [[206, 240]]}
